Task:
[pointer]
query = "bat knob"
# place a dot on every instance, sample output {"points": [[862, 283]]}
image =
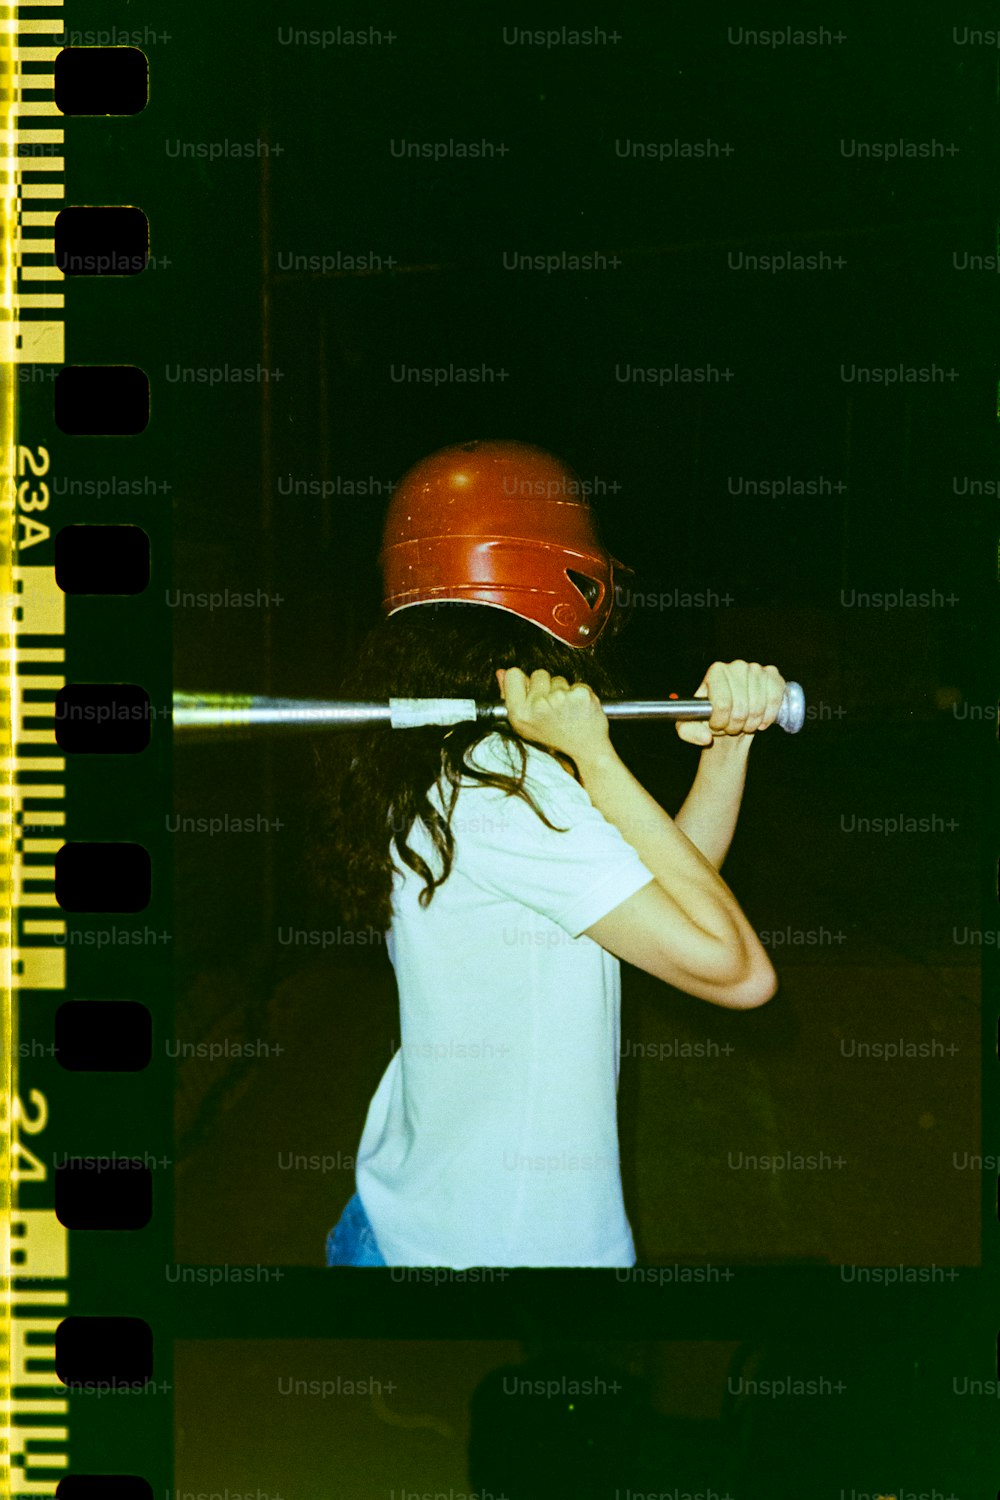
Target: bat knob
{"points": [[792, 713]]}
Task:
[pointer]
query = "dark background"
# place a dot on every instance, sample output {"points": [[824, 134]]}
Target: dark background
{"points": [[897, 701], [620, 1418]]}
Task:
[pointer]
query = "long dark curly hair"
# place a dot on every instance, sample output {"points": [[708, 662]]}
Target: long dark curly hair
{"points": [[374, 783]]}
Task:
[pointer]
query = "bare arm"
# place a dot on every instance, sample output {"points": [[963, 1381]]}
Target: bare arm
{"points": [[710, 809], [686, 927], [746, 698]]}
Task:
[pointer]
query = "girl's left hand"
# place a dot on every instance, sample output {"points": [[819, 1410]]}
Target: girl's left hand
{"points": [[745, 698]]}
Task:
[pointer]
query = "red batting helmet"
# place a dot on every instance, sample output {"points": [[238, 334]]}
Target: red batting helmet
{"points": [[499, 523]]}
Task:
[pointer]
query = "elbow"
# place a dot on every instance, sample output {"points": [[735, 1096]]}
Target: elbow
{"points": [[747, 979], [756, 987], [737, 974], [739, 980]]}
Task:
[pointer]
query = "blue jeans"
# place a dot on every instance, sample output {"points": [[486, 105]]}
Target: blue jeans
{"points": [[351, 1241]]}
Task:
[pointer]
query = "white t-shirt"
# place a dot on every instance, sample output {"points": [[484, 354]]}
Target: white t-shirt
{"points": [[492, 1138]]}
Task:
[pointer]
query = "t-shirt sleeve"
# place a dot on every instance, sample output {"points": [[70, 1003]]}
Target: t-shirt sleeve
{"points": [[574, 873]]}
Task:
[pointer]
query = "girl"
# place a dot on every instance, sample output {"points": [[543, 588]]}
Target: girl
{"points": [[513, 865]]}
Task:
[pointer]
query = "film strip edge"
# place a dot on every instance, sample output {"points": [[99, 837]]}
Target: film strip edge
{"points": [[35, 1264]]}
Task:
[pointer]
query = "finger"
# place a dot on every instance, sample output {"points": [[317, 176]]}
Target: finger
{"points": [[756, 697], [720, 692], [538, 684], [738, 687], [560, 682], [515, 690], [694, 731], [775, 690], [501, 673]]}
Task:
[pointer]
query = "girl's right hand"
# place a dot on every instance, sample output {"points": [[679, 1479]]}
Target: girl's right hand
{"points": [[551, 712]]}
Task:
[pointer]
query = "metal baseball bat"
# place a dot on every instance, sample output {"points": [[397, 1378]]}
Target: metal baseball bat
{"points": [[233, 711]]}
